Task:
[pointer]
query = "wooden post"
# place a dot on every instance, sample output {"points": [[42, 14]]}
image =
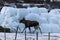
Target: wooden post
{"points": [[49, 36], [16, 34], [4, 34], [25, 34], [36, 35]]}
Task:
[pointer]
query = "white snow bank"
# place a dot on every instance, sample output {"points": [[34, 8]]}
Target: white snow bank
{"points": [[52, 14], [10, 19], [12, 26], [50, 22], [43, 20], [53, 20], [43, 10], [21, 12], [37, 10], [3, 10], [32, 17], [2, 17], [45, 15], [53, 28], [10, 11], [34, 10], [55, 11]]}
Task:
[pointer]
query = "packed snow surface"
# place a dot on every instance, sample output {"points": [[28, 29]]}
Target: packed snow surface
{"points": [[21, 36]]}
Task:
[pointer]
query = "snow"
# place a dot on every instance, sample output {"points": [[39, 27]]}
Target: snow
{"points": [[10, 11], [26, 5], [32, 17], [43, 10], [49, 22], [22, 12], [1, 18], [44, 18], [37, 10], [55, 11], [3, 10], [33, 10], [20, 36], [53, 28], [53, 20]]}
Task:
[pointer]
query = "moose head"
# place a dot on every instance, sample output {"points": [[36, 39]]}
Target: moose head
{"points": [[22, 21]]}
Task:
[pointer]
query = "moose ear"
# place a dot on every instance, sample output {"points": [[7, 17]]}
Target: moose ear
{"points": [[23, 18]]}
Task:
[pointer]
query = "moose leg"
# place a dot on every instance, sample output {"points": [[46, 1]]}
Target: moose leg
{"points": [[40, 30], [30, 29], [34, 28], [20, 29]]}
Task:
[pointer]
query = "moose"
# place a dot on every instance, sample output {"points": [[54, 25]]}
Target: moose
{"points": [[29, 24]]}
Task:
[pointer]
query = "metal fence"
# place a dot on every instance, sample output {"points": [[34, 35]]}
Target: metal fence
{"points": [[35, 36]]}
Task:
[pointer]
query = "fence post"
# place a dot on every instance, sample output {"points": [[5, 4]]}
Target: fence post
{"points": [[36, 35], [25, 34], [4, 33], [49, 36], [16, 33]]}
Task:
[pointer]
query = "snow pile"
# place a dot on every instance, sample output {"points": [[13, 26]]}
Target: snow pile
{"points": [[43, 10], [53, 28], [10, 17], [22, 12], [43, 20], [10, 11], [34, 10], [37, 10], [32, 17], [3, 10], [2, 15], [1, 18], [50, 20], [55, 11], [53, 20], [44, 17]]}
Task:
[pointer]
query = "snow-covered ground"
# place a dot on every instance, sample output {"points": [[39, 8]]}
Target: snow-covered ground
{"points": [[21, 36]]}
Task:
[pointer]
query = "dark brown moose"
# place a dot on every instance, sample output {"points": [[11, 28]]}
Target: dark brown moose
{"points": [[29, 24]]}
